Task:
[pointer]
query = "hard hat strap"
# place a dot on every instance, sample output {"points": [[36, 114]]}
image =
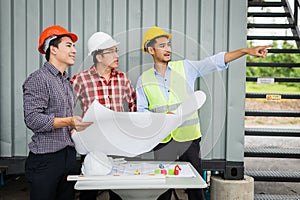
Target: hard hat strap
{"points": [[47, 42]]}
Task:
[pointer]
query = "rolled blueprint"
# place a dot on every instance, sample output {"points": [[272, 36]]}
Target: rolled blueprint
{"points": [[131, 133]]}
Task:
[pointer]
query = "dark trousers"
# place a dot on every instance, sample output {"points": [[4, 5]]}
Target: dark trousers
{"points": [[47, 174], [181, 151]]}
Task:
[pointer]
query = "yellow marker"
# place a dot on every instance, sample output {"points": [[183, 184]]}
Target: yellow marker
{"points": [[273, 97]]}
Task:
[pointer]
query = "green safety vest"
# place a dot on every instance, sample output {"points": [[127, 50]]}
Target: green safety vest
{"points": [[190, 128]]}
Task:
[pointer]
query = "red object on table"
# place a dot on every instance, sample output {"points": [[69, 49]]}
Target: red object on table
{"points": [[176, 169], [163, 171]]}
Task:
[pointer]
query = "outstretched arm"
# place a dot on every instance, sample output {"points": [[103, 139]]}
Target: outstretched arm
{"points": [[259, 51]]}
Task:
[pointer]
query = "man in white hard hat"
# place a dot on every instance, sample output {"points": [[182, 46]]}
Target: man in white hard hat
{"points": [[104, 83], [111, 87], [164, 86]]}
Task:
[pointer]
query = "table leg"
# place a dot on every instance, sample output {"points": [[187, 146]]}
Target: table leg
{"points": [[137, 194]]}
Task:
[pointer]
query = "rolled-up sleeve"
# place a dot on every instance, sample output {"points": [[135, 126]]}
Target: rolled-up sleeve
{"points": [[141, 99], [35, 102], [208, 65]]}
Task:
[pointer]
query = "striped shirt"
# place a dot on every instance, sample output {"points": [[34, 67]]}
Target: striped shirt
{"points": [[112, 94], [47, 94]]}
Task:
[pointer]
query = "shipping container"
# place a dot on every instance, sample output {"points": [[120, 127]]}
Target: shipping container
{"points": [[200, 28]]}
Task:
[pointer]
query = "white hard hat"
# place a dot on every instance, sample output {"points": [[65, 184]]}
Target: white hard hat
{"points": [[100, 40], [96, 163]]}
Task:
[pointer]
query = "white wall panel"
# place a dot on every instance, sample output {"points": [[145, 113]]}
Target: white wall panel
{"points": [[6, 106]]}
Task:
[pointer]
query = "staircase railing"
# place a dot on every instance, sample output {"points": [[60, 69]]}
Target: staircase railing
{"points": [[284, 154], [293, 7]]}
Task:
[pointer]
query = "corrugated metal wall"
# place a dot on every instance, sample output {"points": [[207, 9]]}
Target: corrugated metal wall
{"points": [[200, 28]]}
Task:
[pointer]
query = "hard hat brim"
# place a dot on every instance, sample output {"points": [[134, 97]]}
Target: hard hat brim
{"points": [[105, 45], [73, 37], [168, 35]]}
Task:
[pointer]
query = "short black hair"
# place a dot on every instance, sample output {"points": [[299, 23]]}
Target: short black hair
{"points": [[55, 42], [152, 42]]}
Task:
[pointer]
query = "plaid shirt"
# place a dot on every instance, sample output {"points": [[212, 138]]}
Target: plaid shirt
{"points": [[47, 94], [89, 85]]}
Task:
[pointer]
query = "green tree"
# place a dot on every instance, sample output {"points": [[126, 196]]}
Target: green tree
{"points": [[275, 58]]}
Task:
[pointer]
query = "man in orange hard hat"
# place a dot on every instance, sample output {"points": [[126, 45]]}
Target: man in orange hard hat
{"points": [[48, 111], [164, 86]]}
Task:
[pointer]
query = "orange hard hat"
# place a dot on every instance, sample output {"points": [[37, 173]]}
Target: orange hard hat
{"points": [[153, 33], [52, 31]]}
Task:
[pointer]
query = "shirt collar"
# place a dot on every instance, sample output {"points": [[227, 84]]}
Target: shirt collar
{"points": [[93, 71], [169, 68], [52, 69]]}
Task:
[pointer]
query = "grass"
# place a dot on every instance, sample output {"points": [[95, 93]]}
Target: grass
{"points": [[262, 104], [273, 88]]}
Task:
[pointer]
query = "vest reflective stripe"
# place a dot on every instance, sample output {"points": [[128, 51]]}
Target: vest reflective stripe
{"points": [[189, 129], [189, 122], [162, 109]]}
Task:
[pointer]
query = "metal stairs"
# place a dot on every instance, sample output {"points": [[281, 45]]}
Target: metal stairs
{"points": [[278, 11]]}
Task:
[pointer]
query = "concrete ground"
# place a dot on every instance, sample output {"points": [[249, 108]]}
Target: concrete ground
{"points": [[15, 188], [270, 164]]}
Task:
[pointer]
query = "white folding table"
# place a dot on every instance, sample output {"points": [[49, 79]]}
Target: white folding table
{"points": [[139, 187]]}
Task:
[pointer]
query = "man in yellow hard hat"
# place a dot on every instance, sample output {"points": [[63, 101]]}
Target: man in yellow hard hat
{"points": [[48, 100], [164, 86]]}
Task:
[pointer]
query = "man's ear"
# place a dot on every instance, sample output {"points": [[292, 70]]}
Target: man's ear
{"points": [[98, 58], [53, 49], [151, 50]]}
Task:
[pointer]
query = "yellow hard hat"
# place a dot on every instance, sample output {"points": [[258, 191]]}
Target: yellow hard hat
{"points": [[153, 33]]}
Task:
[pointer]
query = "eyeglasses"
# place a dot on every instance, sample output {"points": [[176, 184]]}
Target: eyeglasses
{"points": [[111, 51]]}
